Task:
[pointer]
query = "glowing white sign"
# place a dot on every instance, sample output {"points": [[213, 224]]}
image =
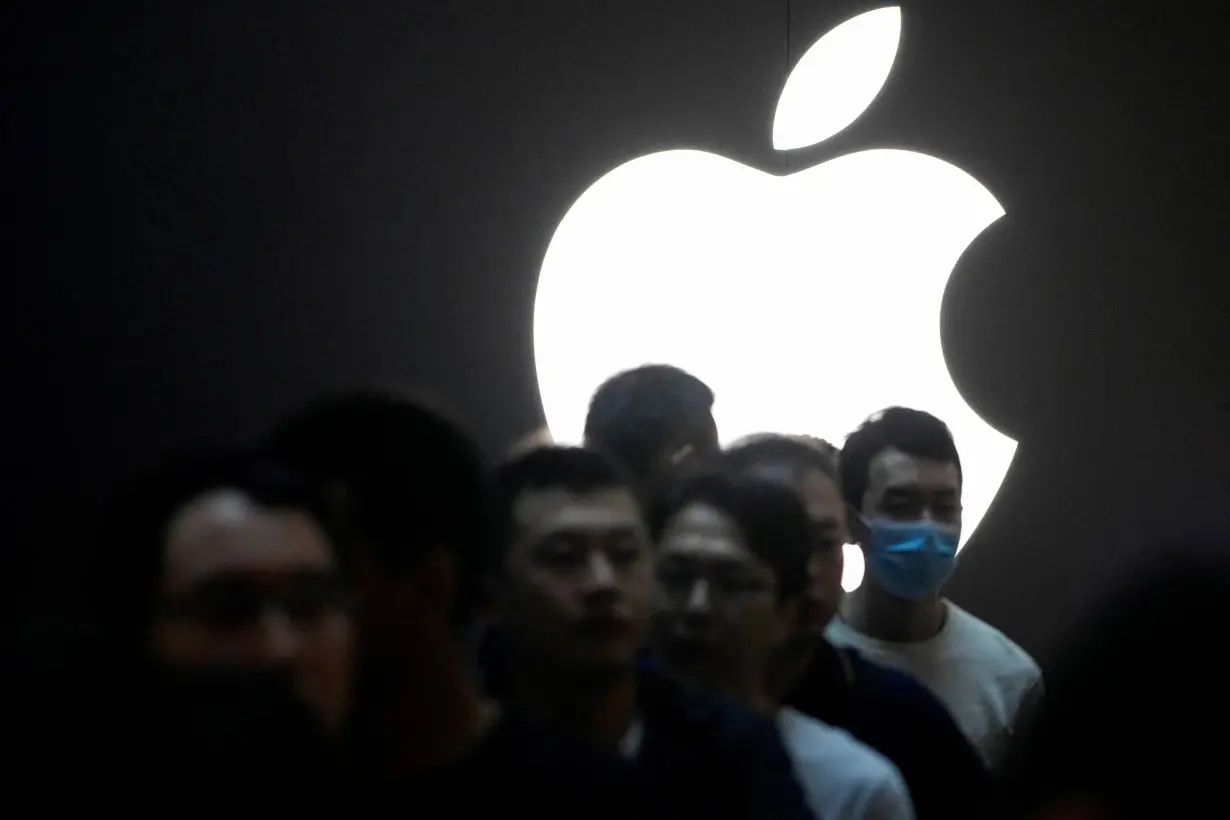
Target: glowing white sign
{"points": [[807, 301]]}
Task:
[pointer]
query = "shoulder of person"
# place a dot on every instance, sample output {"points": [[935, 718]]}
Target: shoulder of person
{"points": [[923, 733], [890, 801], [518, 740], [991, 642], [872, 784], [524, 761], [745, 748], [888, 796], [827, 745], [689, 710], [839, 633], [899, 693]]}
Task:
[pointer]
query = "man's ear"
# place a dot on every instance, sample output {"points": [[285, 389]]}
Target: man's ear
{"points": [[435, 581], [492, 599], [680, 455]]}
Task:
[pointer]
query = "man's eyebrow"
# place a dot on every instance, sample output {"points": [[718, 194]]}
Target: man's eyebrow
{"points": [[582, 531]]}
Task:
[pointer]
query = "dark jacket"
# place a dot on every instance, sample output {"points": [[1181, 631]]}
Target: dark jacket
{"points": [[88, 717], [898, 717], [519, 768], [701, 756]]}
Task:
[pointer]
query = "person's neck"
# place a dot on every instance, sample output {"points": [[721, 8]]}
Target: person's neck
{"points": [[601, 709], [876, 614], [428, 721], [788, 667], [747, 688], [763, 702]]}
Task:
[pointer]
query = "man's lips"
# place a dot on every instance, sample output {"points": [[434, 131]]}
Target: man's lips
{"points": [[689, 642], [606, 626], [812, 607]]}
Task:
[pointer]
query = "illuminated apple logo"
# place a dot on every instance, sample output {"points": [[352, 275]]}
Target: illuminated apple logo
{"points": [[807, 301]]}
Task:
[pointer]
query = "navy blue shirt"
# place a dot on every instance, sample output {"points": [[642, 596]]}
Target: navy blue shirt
{"points": [[706, 757], [701, 756], [522, 767], [898, 717]]}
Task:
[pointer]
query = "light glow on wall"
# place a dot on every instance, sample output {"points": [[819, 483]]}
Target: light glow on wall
{"points": [[807, 301]]}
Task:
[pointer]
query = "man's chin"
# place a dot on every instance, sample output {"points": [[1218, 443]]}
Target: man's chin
{"points": [[618, 655], [693, 663], [598, 668]]}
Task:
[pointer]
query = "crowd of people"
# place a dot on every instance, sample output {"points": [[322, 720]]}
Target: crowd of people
{"points": [[647, 625]]}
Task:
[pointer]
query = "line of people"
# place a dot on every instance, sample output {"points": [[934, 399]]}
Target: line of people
{"points": [[649, 625]]}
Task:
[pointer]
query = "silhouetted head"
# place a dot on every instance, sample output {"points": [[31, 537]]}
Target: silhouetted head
{"points": [[656, 419], [1136, 706], [809, 467], [732, 563], [412, 493], [575, 580]]}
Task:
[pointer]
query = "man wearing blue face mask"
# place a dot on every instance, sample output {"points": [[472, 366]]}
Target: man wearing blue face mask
{"points": [[901, 476]]}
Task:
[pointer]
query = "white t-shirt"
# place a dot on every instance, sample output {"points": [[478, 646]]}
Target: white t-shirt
{"points": [[842, 778], [986, 681]]}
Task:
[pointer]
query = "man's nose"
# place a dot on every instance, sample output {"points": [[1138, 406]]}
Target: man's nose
{"points": [[279, 638], [599, 574], [699, 599]]}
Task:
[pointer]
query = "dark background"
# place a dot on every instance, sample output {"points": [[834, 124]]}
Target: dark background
{"points": [[223, 208]]}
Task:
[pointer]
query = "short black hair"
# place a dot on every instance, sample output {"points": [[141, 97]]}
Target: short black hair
{"points": [[411, 480], [575, 469], [636, 414], [771, 518], [914, 432], [127, 575], [799, 454]]}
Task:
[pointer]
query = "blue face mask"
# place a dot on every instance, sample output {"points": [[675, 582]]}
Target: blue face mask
{"points": [[911, 559]]}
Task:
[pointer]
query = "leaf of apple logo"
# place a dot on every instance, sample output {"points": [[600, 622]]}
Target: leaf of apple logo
{"points": [[823, 95], [807, 301]]}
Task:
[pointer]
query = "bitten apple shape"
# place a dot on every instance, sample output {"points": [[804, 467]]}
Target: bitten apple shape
{"points": [[807, 301]]}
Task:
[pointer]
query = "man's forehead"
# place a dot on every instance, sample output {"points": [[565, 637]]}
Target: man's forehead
{"points": [[700, 531], [893, 469], [817, 490], [214, 516], [224, 530], [703, 518], [553, 509], [779, 472]]}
